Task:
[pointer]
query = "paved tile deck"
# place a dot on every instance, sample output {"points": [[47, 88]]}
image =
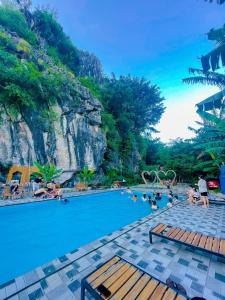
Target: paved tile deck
{"points": [[200, 273]]}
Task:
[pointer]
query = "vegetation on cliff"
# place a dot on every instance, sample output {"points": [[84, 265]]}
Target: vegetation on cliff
{"points": [[37, 59]]}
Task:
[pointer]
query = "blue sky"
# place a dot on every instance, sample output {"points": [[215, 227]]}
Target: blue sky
{"points": [[157, 39]]}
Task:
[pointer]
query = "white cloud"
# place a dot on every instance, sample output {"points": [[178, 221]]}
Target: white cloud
{"points": [[181, 113]]}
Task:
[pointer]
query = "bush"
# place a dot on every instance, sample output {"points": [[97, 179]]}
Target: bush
{"points": [[91, 86], [49, 29], [13, 20]]}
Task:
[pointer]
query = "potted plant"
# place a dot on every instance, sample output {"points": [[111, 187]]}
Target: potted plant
{"points": [[85, 178]]}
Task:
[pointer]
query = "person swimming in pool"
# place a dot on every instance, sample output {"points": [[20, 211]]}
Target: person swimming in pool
{"points": [[158, 196], [154, 205], [64, 200], [150, 200], [129, 191], [144, 197], [170, 203], [134, 198]]}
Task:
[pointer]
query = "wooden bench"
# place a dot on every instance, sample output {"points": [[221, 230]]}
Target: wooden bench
{"points": [[118, 279], [197, 240]]}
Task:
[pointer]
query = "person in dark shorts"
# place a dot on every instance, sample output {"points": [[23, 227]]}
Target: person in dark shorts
{"points": [[202, 187]]}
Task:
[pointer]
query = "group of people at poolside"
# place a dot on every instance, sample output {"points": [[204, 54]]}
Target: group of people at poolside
{"points": [[200, 195], [51, 191], [153, 200]]}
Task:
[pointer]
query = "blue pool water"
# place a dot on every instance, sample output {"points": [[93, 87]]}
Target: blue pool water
{"points": [[34, 234]]}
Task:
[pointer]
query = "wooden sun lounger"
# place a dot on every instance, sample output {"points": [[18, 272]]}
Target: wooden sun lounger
{"points": [[118, 279], [197, 240], [217, 201]]}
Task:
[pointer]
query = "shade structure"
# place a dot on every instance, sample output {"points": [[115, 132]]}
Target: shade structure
{"points": [[212, 102]]}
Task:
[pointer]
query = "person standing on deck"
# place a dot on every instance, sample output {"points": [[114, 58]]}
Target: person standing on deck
{"points": [[202, 186]]}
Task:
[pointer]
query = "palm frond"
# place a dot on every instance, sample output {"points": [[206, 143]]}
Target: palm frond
{"points": [[220, 82]]}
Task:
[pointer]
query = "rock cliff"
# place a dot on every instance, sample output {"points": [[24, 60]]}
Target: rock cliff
{"points": [[66, 131], [74, 138]]}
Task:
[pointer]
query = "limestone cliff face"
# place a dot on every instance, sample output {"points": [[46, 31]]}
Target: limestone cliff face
{"points": [[71, 140]]}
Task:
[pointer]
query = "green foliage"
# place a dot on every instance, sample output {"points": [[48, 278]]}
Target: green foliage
{"points": [[6, 41], [22, 84], [30, 82], [13, 20], [209, 78], [133, 106], [60, 45], [91, 85], [134, 102], [86, 175], [15, 97], [23, 46], [217, 34], [111, 131], [47, 172], [210, 143]]}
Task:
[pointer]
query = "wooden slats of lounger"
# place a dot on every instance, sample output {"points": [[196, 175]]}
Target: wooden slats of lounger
{"points": [[204, 242], [159, 228], [127, 282], [222, 247]]}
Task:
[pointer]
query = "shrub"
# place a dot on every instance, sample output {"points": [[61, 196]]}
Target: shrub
{"points": [[13, 20], [49, 29], [23, 46]]}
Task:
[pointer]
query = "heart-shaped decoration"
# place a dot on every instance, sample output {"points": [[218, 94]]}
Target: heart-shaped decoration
{"points": [[149, 173], [166, 175]]}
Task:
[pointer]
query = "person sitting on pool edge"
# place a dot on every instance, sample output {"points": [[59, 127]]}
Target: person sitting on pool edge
{"points": [[154, 205], [40, 193]]}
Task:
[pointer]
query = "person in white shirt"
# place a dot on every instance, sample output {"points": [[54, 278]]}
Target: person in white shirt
{"points": [[202, 187]]}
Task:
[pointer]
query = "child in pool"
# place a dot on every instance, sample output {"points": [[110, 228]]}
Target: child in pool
{"points": [[129, 191], [134, 198], [144, 197], [154, 205], [158, 196], [170, 203]]}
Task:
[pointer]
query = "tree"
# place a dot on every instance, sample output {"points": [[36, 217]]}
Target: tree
{"points": [[47, 172], [133, 106], [209, 78], [86, 175], [211, 61], [134, 102], [210, 142], [217, 1]]}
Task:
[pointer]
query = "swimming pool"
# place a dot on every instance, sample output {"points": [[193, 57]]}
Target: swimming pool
{"points": [[36, 233]]}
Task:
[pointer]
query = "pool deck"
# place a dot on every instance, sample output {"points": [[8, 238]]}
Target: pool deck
{"points": [[200, 273]]}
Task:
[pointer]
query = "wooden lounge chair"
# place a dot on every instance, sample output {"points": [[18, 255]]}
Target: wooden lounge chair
{"points": [[118, 279], [197, 240], [217, 201]]}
